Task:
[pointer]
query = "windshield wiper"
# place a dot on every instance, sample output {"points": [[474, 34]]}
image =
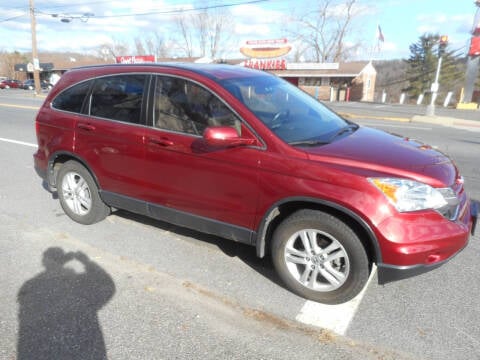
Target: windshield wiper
{"points": [[307, 143], [350, 127]]}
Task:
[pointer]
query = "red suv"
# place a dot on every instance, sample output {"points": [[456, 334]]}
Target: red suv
{"points": [[244, 155]]}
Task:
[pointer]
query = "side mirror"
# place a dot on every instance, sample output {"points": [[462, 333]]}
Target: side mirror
{"points": [[225, 136]]}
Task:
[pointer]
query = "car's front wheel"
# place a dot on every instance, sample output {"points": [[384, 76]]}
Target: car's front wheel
{"points": [[78, 194], [319, 257]]}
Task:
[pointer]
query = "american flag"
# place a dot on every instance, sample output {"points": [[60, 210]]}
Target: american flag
{"points": [[380, 36]]}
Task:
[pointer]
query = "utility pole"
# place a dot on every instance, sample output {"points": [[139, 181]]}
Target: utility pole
{"points": [[36, 63]]}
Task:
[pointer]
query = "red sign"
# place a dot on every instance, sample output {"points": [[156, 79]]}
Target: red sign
{"points": [[140, 59], [267, 64], [474, 46]]}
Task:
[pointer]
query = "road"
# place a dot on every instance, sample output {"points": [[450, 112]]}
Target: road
{"points": [[166, 292], [398, 112]]}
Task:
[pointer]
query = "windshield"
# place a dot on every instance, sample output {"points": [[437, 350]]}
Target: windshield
{"points": [[293, 115]]}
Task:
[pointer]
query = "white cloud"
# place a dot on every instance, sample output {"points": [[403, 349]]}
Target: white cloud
{"points": [[271, 19], [437, 23], [254, 14], [252, 31]]}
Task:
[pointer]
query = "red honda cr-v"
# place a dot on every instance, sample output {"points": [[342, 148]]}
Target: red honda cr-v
{"points": [[249, 157]]}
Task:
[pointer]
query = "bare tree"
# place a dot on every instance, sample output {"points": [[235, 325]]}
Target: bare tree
{"points": [[156, 45], [113, 49], [8, 62], [204, 33], [140, 49], [185, 30], [324, 30], [201, 28], [220, 32]]}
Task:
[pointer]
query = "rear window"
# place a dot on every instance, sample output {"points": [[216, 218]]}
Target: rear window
{"points": [[72, 99]]}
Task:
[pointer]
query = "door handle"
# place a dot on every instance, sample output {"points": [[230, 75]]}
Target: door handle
{"points": [[88, 127], [161, 142]]}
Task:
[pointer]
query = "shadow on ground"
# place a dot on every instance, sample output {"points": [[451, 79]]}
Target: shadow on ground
{"points": [[58, 309], [244, 252]]}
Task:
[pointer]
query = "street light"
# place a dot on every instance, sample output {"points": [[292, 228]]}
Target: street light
{"points": [[66, 18]]}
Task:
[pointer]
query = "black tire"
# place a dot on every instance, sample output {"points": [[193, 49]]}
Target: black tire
{"points": [[330, 276], [78, 194]]}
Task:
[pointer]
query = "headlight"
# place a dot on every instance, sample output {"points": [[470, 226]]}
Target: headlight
{"points": [[408, 195]]}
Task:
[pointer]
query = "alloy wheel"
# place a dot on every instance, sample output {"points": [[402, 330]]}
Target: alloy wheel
{"points": [[317, 260], [76, 193]]}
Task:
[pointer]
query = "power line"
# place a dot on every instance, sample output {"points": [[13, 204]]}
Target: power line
{"points": [[159, 12], [80, 4], [13, 17], [179, 11]]}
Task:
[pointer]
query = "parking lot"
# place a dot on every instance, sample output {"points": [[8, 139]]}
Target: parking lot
{"points": [[168, 292]]}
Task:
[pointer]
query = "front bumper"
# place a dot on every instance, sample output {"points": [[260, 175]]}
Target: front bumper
{"points": [[474, 209], [388, 272]]}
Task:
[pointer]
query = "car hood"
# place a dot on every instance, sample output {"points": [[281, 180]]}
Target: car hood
{"points": [[377, 153]]}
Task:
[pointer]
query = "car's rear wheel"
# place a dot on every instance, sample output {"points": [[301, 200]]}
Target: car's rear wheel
{"points": [[78, 194], [319, 257]]}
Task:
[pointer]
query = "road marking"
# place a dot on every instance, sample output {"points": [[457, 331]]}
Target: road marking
{"points": [[21, 106], [336, 318], [18, 142]]}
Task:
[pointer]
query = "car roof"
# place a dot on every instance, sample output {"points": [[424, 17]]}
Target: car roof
{"points": [[216, 72]]}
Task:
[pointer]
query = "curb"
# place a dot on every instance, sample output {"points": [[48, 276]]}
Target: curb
{"points": [[445, 121], [356, 116], [426, 119]]}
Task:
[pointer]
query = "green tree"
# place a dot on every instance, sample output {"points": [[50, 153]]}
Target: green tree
{"points": [[422, 67]]}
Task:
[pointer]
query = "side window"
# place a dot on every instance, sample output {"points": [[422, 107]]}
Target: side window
{"points": [[184, 106], [118, 97], [72, 99]]}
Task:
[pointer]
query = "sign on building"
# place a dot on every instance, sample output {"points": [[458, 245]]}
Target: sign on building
{"points": [[135, 59]]}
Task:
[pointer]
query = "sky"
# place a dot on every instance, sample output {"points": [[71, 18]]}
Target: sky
{"points": [[402, 22]]}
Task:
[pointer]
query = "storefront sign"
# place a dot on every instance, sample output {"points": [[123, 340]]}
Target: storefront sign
{"points": [[140, 59], [279, 64], [261, 49]]}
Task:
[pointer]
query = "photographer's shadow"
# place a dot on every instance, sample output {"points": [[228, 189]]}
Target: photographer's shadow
{"points": [[58, 309]]}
